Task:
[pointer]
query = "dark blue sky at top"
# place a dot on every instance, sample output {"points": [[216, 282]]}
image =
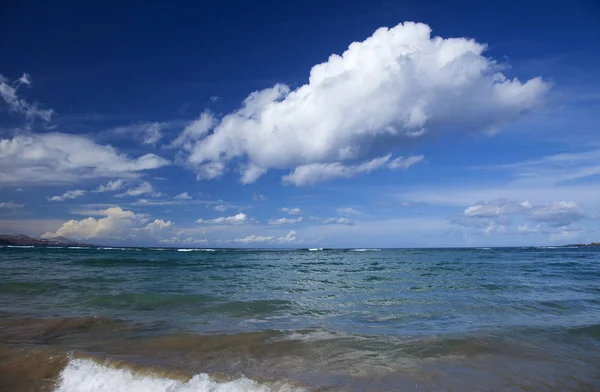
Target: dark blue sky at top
{"points": [[158, 60]]}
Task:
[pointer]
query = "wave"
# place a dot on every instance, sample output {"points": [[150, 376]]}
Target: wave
{"points": [[88, 375], [20, 246], [196, 250], [79, 247], [365, 250], [109, 248], [314, 249]]}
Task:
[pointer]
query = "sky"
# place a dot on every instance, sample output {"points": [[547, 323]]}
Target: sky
{"points": [[272, 124]]}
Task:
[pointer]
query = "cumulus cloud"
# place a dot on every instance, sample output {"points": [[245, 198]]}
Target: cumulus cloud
{"points": [[117, 223], [62, 158], [495, 216], [145, 188], [111, 186], [31, 111], [238, 219], [9, 205], [183, 196], [284, 221], [407, 85], [68, 195], [291, 211], [114, 223], [221, 208], [289, 238]]}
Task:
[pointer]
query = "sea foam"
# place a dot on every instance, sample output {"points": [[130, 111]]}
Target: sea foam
{"points": [[84, 375]]}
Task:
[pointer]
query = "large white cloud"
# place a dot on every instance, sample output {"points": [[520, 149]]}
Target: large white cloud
{"points": [[399, 84], [60, 157]]}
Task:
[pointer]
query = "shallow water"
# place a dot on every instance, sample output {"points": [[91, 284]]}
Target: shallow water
{"points": [[368, 320]]}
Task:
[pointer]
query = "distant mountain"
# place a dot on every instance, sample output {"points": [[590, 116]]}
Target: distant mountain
{"points": [[25, 240]]}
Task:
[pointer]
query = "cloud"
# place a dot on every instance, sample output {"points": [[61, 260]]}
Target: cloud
{"points": [[194, 131], [64, 158], [221, 208], [497, 207], [68, 195], [117, 223], [291, 211], [407, 84], [144, 188], [111, 186], [289, 238], [31, 111], [9, 205], [19, 190], [284, 221], [183, 196], [493, 216], [402, 163], [259, 197], [238, 219], [556, 168], [348, 211], [562, 213], [323, 172], [333, 220], [146, 133]]}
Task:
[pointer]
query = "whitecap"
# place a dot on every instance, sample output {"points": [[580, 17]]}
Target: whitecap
{"points": [[84, 375]]}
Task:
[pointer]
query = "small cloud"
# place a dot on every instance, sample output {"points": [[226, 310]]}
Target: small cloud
{"points": [[9, 205], [333, 221], [143, 189], [214, 98], [348, 211], [238, 219], [19, 190], [289, 238], [220, 208], [284, 221], [68, 195], [259, 197], [111, 186], [291, 211], [183, 196]]}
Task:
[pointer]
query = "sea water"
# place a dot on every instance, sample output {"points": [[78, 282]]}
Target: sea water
{"points": [[137, 319]]}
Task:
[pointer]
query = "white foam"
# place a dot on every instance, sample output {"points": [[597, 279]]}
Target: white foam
{"points": [[83, 375], [79, 247], [109, 248], [196, 250], [20, 246], [366, 250], [314, 249]]}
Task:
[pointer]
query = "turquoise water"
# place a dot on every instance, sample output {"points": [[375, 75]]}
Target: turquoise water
{"points": [[495, 319]]}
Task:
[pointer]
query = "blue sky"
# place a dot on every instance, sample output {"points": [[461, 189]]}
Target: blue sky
{"points": [[305, 124]]}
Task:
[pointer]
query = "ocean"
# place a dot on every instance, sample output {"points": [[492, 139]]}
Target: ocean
{"points": [[136, 319]]}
